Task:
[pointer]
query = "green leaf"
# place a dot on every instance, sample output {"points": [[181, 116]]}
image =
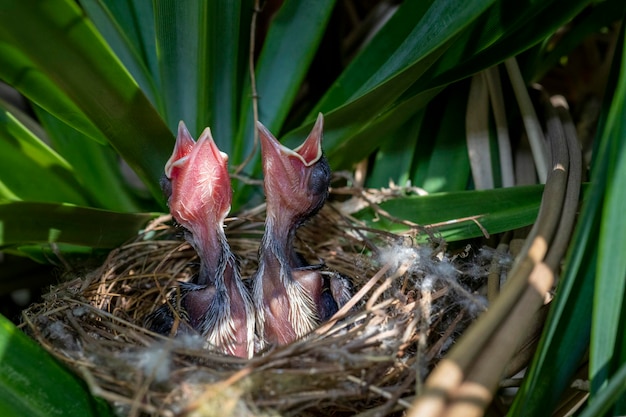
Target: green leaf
{"points": [[94, 165], [546, 56], [608, 327], [28, 222], [447, 164], [181, 34], [371, 57], [198, 45], [33, 384], [609, 395], [135, 19], [457, 213], [20, 72], [488, 39], [393, 162], [226, 64], [124, 40], [29, 169], [407, 63], [355, 148], [500, 33], [67, 52]]}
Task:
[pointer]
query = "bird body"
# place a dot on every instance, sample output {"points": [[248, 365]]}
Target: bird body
{"points": [[290, 296], [215, 303]]}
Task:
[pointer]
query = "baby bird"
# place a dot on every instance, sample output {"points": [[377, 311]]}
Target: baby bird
{"points": [[215, 303], [291, 297]]}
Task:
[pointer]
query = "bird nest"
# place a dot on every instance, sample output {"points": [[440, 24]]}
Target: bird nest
{"points": [[411, 302]]}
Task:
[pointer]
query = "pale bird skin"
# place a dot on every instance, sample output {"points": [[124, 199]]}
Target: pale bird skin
{"points": [[291, 297], [215, 303]]}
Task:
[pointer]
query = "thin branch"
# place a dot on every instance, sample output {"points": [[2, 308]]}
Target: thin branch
{"points": [[254, 93]]}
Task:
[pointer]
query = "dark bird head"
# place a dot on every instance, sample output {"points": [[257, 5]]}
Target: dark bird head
{"points": [[296, 181]]}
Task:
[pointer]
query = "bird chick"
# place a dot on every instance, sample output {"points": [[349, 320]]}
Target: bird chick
{"points": [[291, 297], [215, 303]]}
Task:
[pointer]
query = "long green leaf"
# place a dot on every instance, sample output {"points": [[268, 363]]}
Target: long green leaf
{"points": [[456, 61], [608, 327], [502, 32], [136, 20], [181, 35], [29, 169], [227, 65], [546, 55], [66, 50], [369, 60], [415, 54], [22, 73], [611, 394], [95, 166], [28, 222], [457, 213], [393, 162], [198, 45], [448, 166], [33, 384], [123, 39]]}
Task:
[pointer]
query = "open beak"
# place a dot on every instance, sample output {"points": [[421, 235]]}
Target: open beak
{"points": [[200, 184], [308, 153], [288, 173]]}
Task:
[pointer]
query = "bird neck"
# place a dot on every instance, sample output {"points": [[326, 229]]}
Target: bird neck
{"points": [[213, 250], [278, 242]]}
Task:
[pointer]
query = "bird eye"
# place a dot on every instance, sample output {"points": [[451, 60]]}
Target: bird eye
{"points": [[320, 178], [166, 186]]}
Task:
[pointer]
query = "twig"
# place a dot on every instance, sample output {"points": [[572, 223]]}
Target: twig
{"points": [[255, 96], [377, 391]]}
